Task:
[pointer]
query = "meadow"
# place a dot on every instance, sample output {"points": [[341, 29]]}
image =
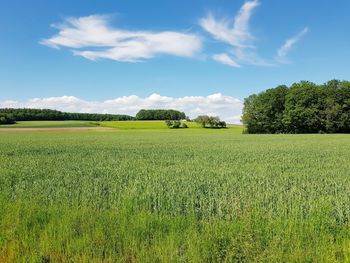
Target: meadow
{"points": [[166, 195]]}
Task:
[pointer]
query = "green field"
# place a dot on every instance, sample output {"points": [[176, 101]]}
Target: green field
{"points": [[188, 195], [49, 124], [145, 125], [155, 125]]}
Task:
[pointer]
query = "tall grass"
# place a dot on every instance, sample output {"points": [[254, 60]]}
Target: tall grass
{"points": [[165, 196]]}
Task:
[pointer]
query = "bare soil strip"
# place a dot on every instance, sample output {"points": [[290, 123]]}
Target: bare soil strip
{"points": [[56, 129]]}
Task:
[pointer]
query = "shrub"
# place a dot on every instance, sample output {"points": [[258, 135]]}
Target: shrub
{"points": [[175, 124]]}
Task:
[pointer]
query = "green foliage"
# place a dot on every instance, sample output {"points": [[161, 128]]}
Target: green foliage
{"points": [[211, 121], [160, 115], [195, 195], [202, 120], [175, 124], [7, 119], [45, 114], [302, 108], [169, 123]]}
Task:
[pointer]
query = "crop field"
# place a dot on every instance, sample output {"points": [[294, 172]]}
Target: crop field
{"points": [[49, 124], [155, 125], [144, 125], [188, 195]]}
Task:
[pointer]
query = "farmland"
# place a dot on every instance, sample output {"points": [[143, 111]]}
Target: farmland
{"points": [[165, 195], [49, 124]]}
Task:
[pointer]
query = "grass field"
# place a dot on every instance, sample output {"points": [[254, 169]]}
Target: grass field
{"points": [[139, 125], [145, 125], [189, 195], [155, 125], [49, 124]]}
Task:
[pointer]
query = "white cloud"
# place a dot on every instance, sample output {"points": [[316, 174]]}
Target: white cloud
{"points": [[226, 60], [93, 38], [227, 108], [235, 33], [289, 43], [239, 38]]}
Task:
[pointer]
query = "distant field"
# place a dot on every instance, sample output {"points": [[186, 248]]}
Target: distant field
{"points": [[49, 124], [189, 195], [141, 124], [124, 125], [153, 125]]}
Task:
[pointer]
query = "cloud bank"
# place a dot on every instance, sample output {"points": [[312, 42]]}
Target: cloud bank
{"points": [[228, 108], [93, 38]]}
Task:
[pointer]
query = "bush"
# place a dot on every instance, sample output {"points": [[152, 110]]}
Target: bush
{"points": [[175, 124], [169, 123]]}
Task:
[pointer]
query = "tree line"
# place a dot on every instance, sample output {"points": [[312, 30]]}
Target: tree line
{"points": [[173, 118], [10, 116], [303, 107], [160, 115]]}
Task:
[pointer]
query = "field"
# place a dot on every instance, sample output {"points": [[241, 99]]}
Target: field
{"points": [[49, 124], [144, 125], [161, 195]]}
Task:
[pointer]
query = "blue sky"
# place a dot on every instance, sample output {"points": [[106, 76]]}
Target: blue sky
{"points": [[99, 50]]}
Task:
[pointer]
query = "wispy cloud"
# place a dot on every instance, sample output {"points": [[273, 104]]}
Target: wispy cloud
{"points": [[227, 107], [237, 35], [290, 43], [92, 37], [226, 60]]}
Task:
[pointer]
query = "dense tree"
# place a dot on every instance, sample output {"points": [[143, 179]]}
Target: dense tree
{"points": [[265, 112], [7, 119], [302, 108], [9, 116], [160, 115], [210, 121]]}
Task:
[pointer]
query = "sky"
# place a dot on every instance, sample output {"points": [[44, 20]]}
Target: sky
{"points": [[201, 57]]}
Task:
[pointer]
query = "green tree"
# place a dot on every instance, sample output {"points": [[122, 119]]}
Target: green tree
{"points": [[263, 113], [160, 115], [211, 121], [302, 108]]}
